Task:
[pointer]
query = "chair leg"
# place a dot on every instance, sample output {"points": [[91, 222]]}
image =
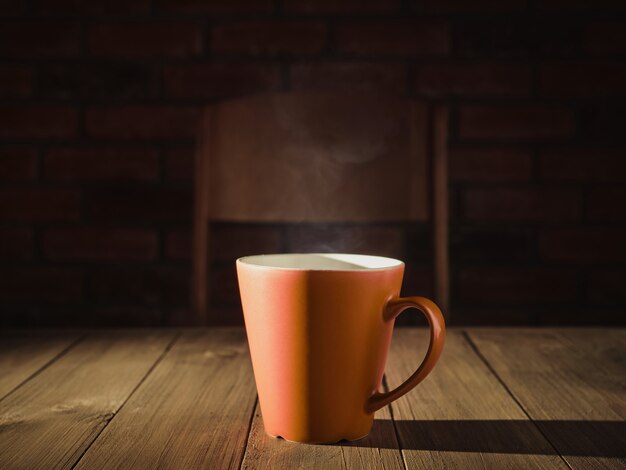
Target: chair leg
{"points": [[440, 208]]}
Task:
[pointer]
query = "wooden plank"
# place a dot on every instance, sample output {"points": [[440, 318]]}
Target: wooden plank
{"points": [[23, 353], [50, 420], [193, 411], [571, 382], [378, 450], [341, 157], [460, 416]]}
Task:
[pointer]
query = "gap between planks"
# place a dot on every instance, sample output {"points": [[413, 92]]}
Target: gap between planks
{"points": [[395, 427], [143, 379], [245, 447], [45, 365], [474, 347]]}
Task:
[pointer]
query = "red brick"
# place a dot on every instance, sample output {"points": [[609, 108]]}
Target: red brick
{"points": [[120, 315], [223, 286], [39, 204], [18, 164], [99, 244], [509, 245], [16, 81], [229, 242], [20, 316], [57, 39], [583, 164], [558, 39], [40, 284], [473, 79], [38, 121], [99, 80], [92, 7], [455, 6], [582, 79], [138, 203], [142, 286], [180, 316], [270, 37], [179, 163], [341, 6], [504, 286], [607, 205], [489, 164], [419, 243], [382, 241], [583, 245], [607, 288], [162, 39], [582, 317], [563, 5], [142, 122], [418, 280], [522, 122], [347, 76], [531, 205], [89, 164], [227, 316], [603, 121], [393, 38], [220, 80], [497, 316], [11, 8], [215, 7], [16, 244], [497, 37], [454, 202], [606, 38], [178, 244]]}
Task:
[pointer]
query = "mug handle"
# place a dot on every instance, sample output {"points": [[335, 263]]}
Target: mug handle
{"points": [[393, 308]]}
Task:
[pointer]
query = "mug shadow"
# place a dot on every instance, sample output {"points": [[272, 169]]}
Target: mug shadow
{"points": [[574, 438]]}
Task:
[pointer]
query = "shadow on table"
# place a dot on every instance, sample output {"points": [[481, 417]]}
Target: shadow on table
{"points": [[576, 438]]}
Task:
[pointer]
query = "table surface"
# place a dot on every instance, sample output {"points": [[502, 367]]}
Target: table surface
{"points": [[499, 398]]}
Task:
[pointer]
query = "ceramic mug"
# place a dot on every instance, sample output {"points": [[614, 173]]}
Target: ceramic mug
{"points": [[319, 328]]}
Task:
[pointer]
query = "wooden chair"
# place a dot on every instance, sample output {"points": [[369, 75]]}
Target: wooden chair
{"points": [[320, 157]]}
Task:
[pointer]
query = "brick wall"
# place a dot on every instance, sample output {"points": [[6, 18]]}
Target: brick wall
{"points": [[98, 105]]}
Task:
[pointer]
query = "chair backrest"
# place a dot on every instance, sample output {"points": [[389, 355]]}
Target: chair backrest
{"points": [[316, 157]]}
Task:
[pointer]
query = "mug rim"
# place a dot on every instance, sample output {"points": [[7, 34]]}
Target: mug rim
{"points": [[377, 263]]}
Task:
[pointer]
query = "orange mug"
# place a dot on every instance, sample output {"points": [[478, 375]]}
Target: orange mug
{"points": [[319, 328]]}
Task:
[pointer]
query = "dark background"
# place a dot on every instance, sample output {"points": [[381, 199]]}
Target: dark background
{"points": [[99, 102]]}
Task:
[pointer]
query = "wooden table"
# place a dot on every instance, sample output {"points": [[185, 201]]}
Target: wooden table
{"points": [[499, 398]]}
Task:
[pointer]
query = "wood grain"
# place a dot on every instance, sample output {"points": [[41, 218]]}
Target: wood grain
{"points": [[500, 398], [50, 420], [23, 353], [460, 416], [379, 450], [193, 411], [571, 382]]}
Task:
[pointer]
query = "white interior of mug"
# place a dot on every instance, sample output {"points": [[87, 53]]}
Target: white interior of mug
{"points": [[322, 261]]}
